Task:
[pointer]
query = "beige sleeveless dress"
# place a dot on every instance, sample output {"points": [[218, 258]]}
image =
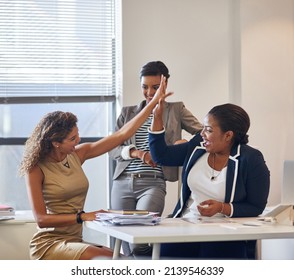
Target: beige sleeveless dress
{"points": [[64, 190]]}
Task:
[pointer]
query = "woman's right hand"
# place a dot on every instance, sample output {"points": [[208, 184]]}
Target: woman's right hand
{"points": [[91, 216]]}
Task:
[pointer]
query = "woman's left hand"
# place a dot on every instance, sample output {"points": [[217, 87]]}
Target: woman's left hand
{"points": [[161, 91], [209, 207], [91, 216], [148, 160]]}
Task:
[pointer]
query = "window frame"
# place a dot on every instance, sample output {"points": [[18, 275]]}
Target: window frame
{"points": [[109, 98]]}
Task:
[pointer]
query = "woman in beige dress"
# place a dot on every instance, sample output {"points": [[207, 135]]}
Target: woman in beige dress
{"points": [[57, 186]]}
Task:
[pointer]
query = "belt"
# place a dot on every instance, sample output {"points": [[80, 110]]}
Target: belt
{"points": [[144, 175]]}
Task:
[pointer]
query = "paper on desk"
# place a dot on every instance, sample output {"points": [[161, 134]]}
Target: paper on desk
{"points": [[122, 219], [226, 222], [6, 210], [242, 225], [6, 218], [207, 220]]}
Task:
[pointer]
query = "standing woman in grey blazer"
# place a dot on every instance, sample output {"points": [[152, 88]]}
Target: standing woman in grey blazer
{"points": [[138, 183]]}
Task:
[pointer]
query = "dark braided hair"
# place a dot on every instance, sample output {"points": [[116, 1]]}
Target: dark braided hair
{"points": [[232, 117]]}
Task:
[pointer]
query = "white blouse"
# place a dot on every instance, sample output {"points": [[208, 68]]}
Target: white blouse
{"points": [[202, 185]]}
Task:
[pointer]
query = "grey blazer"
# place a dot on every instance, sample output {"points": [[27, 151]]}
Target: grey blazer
{"points": [[175, 118]]}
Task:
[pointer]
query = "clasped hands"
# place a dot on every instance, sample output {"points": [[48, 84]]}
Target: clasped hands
{"points": [[209, 207]]}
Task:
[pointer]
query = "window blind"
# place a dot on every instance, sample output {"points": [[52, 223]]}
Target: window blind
{"points": [[57, 48]]}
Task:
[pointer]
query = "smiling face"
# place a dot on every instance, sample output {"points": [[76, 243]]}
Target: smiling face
{"points": [[215, 140], [67, 146], [149, 85]]}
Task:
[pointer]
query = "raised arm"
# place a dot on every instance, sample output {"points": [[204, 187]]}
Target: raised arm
{"points": [[90, 150], [168, 155]]}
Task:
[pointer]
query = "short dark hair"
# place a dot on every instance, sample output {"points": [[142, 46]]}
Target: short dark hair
{"points": [[154, 68], [232, 117]]}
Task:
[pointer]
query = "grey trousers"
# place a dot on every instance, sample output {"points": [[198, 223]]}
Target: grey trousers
{"points": [[130, 193]]}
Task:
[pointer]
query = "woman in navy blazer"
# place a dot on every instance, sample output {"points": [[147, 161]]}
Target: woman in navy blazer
{"points": [[222, 175]]}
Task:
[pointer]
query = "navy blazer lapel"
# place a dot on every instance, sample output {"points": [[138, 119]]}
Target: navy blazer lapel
{"points": [[232, 173], [231, 168], [197, 152], [195, 155]]}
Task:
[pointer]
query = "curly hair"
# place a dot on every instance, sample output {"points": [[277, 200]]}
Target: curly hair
{"points": [[53, 127]]}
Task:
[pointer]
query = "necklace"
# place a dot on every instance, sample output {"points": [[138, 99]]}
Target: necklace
{"points": [[214, 176], [64, 162]]}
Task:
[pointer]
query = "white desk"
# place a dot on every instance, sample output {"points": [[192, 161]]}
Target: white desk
{"points": [[178, 230]]}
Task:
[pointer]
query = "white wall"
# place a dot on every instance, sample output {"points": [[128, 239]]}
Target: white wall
{"points": [[219, 51], [268, 81]]}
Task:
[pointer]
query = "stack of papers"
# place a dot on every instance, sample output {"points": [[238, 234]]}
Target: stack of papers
{"points": [[110, 218], [6, 212], [281, 214]]}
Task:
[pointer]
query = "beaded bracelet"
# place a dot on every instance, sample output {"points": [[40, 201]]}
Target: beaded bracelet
{"points": [[79, 219]]}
